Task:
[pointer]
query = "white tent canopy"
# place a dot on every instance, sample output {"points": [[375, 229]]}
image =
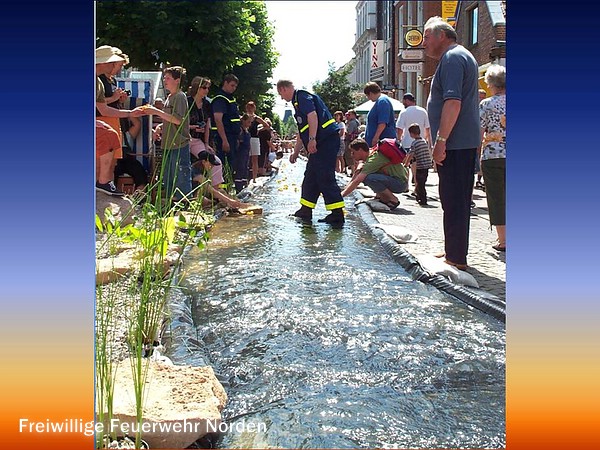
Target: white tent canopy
{"points": [[366, 107]]}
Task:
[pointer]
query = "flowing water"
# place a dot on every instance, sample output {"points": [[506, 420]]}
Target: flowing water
{"points": [[324, 341]]}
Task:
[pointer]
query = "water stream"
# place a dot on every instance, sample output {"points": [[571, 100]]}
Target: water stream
{"points": [[326, 342]]}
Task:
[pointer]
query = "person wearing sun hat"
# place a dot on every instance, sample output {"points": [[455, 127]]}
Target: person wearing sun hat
{"points": [[113, 94], [106, 58], [107, 152]]}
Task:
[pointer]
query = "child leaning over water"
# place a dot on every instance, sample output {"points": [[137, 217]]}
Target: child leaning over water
{"points": [[419, 150]]}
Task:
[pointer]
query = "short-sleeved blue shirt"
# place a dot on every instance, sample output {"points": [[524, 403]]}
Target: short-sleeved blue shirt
{"points": [[381, 112], [456, 77], [304, 103], [225, 103]]}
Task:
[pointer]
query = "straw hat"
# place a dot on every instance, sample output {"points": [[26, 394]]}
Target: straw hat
{"points": [[117, 51], [106, 54]]}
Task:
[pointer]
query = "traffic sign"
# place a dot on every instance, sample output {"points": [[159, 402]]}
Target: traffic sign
{"points": [[411, 67], [412, 54]]}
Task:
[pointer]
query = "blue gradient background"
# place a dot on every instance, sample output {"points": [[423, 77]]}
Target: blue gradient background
{"points": [[47, 207], [47, 192], [47, 204]]}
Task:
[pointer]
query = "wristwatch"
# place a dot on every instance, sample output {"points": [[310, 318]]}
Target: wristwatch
{"points": [[441, 139], [311, 138]]}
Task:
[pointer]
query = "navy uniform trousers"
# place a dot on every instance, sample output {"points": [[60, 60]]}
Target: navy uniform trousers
{"points": [[230, 159], [319, 177], [456, 189]]}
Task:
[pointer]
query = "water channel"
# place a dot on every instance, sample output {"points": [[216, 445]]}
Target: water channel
{"points": [[327, 342]]}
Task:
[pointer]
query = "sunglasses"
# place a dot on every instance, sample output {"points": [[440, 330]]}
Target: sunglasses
{"points": [[205, 87]]}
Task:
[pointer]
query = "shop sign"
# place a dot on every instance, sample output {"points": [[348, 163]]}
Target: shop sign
{"points": [[413, 38]]}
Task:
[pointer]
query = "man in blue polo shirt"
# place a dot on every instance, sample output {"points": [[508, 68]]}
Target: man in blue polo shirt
{"points": [[453, 108], [318, 134], [380, 120]]}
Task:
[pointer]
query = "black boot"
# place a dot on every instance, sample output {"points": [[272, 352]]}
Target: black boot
{"points": [[304, 213], [336, 218]]}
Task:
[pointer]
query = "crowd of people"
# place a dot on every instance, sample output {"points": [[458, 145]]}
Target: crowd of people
{"points": [[203, 143], [458, 130], [212, 144]]}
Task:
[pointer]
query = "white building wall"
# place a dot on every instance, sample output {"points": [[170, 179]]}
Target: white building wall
{"points": [[366, 20]]}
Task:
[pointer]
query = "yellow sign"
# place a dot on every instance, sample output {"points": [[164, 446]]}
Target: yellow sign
{"points": [[413, 37], [448, 11]]}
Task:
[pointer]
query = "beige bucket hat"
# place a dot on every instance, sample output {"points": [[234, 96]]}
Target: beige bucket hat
{"points": [[106, 54]]}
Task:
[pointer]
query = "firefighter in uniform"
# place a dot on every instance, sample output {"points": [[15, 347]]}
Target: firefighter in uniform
{"points": [[318, 133], [225, 127]]}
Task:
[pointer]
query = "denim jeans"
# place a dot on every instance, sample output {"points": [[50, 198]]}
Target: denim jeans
{"points": [[177, 173], [380, 182]]}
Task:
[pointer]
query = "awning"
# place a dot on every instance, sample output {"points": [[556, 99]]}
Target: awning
{"points": [[366, 107]]}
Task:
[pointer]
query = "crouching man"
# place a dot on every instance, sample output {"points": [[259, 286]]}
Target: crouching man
{"points": [[377, 172]]}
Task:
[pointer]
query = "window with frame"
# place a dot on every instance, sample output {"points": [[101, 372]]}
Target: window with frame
{"points": [[473, 26], [401, 43]]}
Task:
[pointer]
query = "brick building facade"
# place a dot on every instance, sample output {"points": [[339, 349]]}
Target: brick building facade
{"points": [[480, 25], [410, 15], [481, 28]]}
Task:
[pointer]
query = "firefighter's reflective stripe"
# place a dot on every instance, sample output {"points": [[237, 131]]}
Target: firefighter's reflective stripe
{"points": [[326, 124], [222, 96], [334, 206], [231, 117], [231, 120], [309, 204]]}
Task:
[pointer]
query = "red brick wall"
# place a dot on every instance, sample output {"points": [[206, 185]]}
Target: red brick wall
{"points": [[430, 9], [487, 35]]}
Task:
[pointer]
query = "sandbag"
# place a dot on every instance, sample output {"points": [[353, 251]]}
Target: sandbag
{"points": [[398, 233], [437, 266]]}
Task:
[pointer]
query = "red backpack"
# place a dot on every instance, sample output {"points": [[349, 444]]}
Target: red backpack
{"points": [[391, 149]]}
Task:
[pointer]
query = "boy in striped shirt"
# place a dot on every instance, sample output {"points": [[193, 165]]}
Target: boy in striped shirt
{"points": [[419, 150]]}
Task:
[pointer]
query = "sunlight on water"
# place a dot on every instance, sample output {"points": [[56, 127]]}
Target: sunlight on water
{"points": [[329, 343]]}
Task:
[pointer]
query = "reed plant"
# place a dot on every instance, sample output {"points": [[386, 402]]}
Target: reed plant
{"points": [[105, 361], [154, 230]]}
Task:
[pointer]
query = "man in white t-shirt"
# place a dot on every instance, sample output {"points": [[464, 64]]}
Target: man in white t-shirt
{"points": [[410, 115]]}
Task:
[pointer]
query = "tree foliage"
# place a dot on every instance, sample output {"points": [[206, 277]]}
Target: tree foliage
{"points": [[276, 123], [208, 38], [254, 76], [289, 127], [336, 91]]}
